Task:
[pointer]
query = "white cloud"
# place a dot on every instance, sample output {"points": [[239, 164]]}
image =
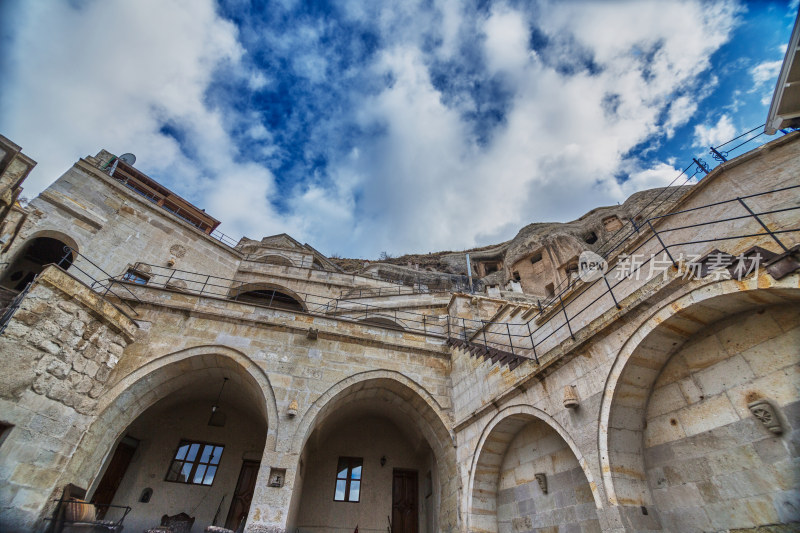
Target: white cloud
{"points": [[258, 81], [660, 175], [424, 183], [559, 148], [723, 131], [766, 72], [117, 74], [680, 111], [506, 41]]}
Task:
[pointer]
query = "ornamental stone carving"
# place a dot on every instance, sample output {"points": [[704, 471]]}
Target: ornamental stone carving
{"points": [[765, 413], [177, 250]]}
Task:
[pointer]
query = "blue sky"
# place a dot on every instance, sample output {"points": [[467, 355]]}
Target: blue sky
{"points": [[365, 126]]}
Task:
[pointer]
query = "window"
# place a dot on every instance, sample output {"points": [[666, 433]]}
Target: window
{"points": [[195, 463], [348, 479], [535, 258], [488, 267], [135, 276], [516, 276], [591, 238], [612, 223]]}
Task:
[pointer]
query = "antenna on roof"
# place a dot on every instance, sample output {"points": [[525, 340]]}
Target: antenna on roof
{"points": [[127, 158]]}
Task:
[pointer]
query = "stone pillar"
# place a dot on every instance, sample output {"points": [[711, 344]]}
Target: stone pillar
{"points": [[58, 351], [270, 507]]}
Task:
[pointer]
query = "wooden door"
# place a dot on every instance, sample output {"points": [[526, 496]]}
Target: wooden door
{"points": [[404, 501], [240, 502], [107, 488]]}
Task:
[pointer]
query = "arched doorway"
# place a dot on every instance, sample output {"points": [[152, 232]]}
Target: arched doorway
{"points": [[375, 452], [171, 439], [681, 436], [32, 258], [527, 477]]}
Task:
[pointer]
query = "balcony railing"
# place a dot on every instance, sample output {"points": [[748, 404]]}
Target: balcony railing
{"points": [[682, 239]]}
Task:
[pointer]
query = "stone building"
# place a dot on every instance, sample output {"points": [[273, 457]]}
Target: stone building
{"points": [[160, 366], [151, 362]]}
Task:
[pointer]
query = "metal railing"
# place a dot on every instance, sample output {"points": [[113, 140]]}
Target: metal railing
{"points": [[668, 246], [103, 286], [76, 261], [269, 257], [438, 281], [224, 239], [633, 226], [9, 311], [374, 292], [271, 295]]}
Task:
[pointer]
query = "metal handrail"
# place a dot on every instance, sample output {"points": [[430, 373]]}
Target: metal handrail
{"points": [[533, 335], [455, 281], [231, 289], [102, 286], [9, 311], [607, 250]]}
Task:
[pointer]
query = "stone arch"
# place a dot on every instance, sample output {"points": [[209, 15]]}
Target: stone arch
{"points": [[289, 295], [51, 243], [276, 259], [413, 401], [383, 321], [56, 234], [491, 448], [357, 382], [122, 403], [640, 361]]}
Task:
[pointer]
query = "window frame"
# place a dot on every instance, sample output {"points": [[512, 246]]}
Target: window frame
{"points": [[196, 462], [352, 462], [134, 276]]}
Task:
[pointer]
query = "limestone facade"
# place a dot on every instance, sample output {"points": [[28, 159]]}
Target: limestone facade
{"points": [[453, 402]]}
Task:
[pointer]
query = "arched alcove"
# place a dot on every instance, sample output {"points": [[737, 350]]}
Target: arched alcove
{"points": [[177, 392], [268, 295], [383, 321], [41, 249], [675, 421], [528, 474], [392, 426], [275, 259]]}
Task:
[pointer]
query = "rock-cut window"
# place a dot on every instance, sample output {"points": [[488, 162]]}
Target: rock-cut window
{"points": [[195, 463], [348, 479], [134, 276]]}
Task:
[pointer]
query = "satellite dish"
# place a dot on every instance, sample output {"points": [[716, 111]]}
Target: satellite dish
{"points": [[129, 159]]}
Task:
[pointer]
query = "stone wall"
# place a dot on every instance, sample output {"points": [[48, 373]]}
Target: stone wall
{"points": [[370, 437], [159, 430], [274, 344], [14, 168], [59, 350], [95, 213], [522, 504], [711, 464]]}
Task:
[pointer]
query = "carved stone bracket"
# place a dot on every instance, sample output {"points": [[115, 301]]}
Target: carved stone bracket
{"points": [[542, 480], [765, 413]]}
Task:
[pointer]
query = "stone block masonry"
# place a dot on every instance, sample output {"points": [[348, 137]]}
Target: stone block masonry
{"points": [[59, 350]]}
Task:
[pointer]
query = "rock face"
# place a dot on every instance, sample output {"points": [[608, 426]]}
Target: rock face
{"points": [[540, 258], [159, 368]]}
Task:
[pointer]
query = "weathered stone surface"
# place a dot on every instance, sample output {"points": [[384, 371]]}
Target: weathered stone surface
{"points": [[661, 439]]}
